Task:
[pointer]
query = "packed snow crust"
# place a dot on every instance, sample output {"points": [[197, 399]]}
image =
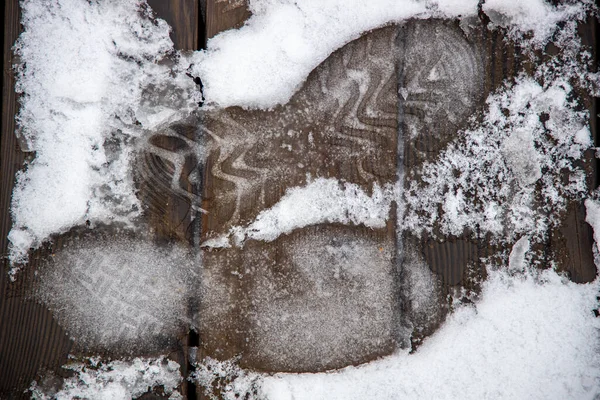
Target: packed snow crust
{"points": [[119, 293], [114, 380]]}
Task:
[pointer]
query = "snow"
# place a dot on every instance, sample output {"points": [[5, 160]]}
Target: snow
{"points": [[592, 217], [93, 73], [531, 334], [516, 259], [320, 201], [263, 63], [230, 380], [84, 68], [537, 17], [489, 179], [114, 380]]}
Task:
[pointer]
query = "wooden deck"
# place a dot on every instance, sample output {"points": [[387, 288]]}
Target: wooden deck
{"points": [[31, 341]]}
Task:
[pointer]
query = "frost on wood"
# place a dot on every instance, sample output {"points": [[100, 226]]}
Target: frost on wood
{"points": [[318, 298], [119, 293], [115, 380]]}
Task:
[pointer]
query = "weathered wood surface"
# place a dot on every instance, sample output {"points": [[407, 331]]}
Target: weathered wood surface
{"points": [[31, 340], [185, 20], [222, 15]]}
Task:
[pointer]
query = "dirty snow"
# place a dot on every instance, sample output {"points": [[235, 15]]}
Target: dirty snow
{"points": [[114, 380]]}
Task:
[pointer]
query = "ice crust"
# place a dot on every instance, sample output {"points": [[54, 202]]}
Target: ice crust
{"points": [[119, 293], [114, 380]]}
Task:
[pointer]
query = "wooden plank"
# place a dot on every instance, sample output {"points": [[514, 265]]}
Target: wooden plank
{"points": [[222, 15], [183, 17], [30, 339], [256, 157]]}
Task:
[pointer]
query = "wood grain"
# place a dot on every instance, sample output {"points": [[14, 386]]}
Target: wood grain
{"points": [[30, 340], [222, 15], [183, 16]]}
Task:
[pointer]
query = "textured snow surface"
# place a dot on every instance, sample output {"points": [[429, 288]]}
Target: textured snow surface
{"points": [[115, 380], [230, 381], [264, 63], [84, 67], [537, 17], [504, 176], [531, 336]]}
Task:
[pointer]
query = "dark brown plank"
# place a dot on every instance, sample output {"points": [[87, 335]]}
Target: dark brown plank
{"points": [[27, 330], [222, 15], [320, 135], [183, 17]]}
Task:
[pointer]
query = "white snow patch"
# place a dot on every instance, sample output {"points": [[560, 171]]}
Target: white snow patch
{"points": [[115, 380], [263, 63], [231, 381], [320, 201], [516, 259], [537, 17], [592, 217], [84, 69]]}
